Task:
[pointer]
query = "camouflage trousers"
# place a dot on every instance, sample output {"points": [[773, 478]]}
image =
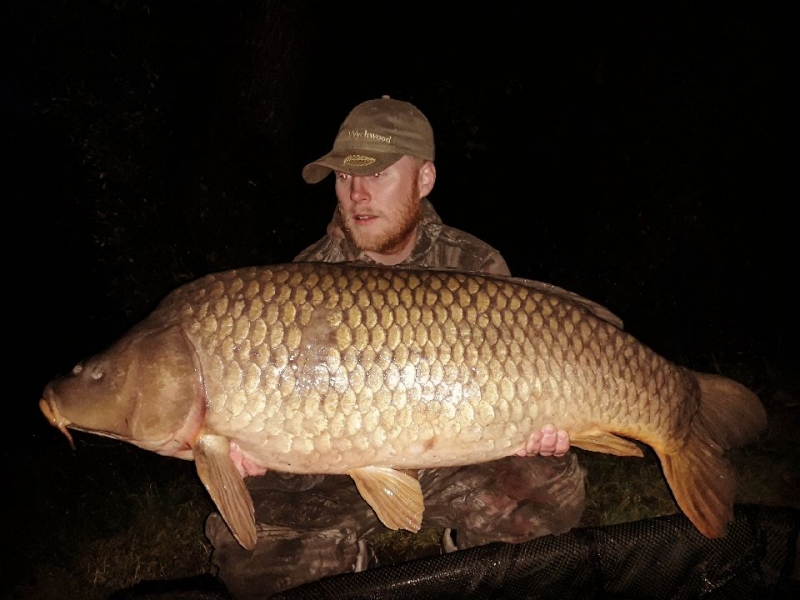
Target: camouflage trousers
{"points": [[310, 526]]}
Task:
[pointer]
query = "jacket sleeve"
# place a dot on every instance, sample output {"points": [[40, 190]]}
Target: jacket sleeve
{"points": [[495, 264]]}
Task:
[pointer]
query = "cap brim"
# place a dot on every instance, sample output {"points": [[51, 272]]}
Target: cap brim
{"points": [[352, 164]]}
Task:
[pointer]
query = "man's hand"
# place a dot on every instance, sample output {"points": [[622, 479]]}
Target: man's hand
{"points": [[547, 442]]}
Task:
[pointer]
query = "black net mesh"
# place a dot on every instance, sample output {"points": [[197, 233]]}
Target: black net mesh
{"points": [[664, 557]]}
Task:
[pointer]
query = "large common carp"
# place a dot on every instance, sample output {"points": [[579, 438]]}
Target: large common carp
{"points": [[369, 372]]}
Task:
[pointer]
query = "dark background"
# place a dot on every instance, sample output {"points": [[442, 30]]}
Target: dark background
{"points": [[638, 156]]}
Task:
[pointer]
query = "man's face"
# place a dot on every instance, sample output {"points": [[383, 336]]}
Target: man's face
{"points": [[380, 212]]}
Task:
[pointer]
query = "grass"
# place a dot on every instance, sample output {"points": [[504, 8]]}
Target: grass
{"points": [[142, 517], [153, 532]]}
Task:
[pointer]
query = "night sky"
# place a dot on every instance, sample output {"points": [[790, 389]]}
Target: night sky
{"points": [[638, 157]]}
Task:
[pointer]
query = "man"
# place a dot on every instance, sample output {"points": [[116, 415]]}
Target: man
{"points": [[383, 161]]}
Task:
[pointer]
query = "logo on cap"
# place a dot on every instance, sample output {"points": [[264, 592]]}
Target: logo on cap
{"points": [[357, 160], [370, 135]]}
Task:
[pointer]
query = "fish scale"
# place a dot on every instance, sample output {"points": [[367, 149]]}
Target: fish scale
{"points": [[371, 371]]}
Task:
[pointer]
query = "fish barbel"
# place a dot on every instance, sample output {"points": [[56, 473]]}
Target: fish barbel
{"points": [[372, 371]]}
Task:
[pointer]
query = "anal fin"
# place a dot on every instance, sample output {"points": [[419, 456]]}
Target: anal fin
{"points": [[597, 440]]}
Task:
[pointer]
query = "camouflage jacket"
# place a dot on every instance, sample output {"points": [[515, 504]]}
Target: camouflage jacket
{"points": [[438, 245]]}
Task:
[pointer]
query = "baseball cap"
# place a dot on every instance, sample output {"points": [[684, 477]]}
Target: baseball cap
{"points": [[375, 135]]}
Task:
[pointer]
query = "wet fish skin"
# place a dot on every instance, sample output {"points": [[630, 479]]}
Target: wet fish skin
{"points": [[371, 371]]}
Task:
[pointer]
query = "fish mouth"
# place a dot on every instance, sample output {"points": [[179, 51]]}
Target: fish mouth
{"points": [[56, 420]]}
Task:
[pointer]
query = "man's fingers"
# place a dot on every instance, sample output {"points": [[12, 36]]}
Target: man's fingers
{"points": [[547, 442], [562, 443], [532, 445]]}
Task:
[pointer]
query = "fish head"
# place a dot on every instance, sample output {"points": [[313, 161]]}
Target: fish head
{"points": [[145, 389]]}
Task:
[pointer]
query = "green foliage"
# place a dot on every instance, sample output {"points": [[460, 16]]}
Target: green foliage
{"points": [[138, 530]]}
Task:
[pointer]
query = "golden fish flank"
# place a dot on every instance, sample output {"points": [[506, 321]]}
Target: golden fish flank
{"points": [[369, 371]]}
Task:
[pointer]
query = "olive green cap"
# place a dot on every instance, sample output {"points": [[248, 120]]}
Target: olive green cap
{"points": [[375, 135]]}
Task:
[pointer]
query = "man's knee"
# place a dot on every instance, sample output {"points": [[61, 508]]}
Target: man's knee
{"points": [[509, 500], [283, 558]]}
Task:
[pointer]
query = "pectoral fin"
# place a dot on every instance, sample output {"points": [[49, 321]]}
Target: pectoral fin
{"points": [[394, 496], [226, 487], [597, 440]]}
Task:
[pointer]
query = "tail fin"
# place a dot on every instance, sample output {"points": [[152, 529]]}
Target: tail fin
{"points": [[732, 415], [702, 481]]}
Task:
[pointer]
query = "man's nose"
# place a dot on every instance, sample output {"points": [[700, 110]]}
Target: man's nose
{"points": [[359, 191]]}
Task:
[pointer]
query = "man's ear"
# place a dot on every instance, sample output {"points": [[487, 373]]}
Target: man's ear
{"points": [[427, 177]]}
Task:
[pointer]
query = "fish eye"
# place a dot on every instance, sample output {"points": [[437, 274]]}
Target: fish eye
{"points": [[77, 369], [97, 375]]}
